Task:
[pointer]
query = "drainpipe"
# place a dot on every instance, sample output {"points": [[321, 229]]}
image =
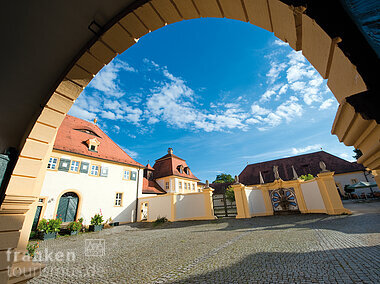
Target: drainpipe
{"points": [[137, 194]]}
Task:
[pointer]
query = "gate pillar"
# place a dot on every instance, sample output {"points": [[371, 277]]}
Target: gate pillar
{"points": [[330, 194], [242, 206]]}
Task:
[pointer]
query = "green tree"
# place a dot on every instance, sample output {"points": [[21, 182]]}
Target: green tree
{"points": [[358, 154], [223, 178], [230, 194], [307, 177]]}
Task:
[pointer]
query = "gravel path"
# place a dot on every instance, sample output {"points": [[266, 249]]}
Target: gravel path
{"points": [[277, 249]]}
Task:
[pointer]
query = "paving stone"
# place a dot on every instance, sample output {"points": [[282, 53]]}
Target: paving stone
{"points": [[276, 249]]}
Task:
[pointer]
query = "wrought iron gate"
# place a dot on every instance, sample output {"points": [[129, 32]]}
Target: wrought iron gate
{"points": [[223, 207]]}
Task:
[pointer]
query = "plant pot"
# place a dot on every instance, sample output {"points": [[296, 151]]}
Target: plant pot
{"points": [[95, 228], [73, 233], [49, 236]]}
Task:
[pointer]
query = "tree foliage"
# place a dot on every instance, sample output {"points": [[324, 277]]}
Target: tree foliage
{"points": [[224, 178], [307, 177], [230, 194], [358, 154]]}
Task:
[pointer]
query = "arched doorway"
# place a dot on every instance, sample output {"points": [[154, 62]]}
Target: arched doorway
{"points": [[68, 207], [319, 45]]}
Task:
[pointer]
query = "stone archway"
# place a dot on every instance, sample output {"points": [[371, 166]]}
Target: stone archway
{"points": [[290, 24]]}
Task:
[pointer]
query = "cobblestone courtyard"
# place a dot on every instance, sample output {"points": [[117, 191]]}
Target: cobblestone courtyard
{"points": [[276, 249]]}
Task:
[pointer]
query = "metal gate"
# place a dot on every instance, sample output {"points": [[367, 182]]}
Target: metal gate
{"points": [[223, 207], [68, 206]]}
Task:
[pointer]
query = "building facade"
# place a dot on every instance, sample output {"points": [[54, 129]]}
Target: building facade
{"points": [[88, 174], [345, 172]]}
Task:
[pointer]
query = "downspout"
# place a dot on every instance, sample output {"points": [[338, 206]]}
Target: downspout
{"points": [[137, 194]]}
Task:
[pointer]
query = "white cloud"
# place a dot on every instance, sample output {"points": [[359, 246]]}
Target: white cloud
{"points": [[81, 113], [174, 102], [275, 70], [107, 80], [256, 109], [270, 92], [326, 104], [132, 154], [280, 42], [297, 151]]}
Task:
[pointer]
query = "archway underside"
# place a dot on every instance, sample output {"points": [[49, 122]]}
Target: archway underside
{"points": [[288, 23]]}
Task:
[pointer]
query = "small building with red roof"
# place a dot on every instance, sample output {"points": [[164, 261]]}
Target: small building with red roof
{"points": [[87, 174]]}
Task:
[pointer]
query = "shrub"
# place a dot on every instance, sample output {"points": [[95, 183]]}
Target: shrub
{"points": [[31, 248], [160, 221], [307, 177], [74, 226], [49, 226], [97, 220]]}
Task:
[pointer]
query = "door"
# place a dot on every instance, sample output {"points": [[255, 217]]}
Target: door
{"points": [[144, 211], [36, 218], [68, 207]]}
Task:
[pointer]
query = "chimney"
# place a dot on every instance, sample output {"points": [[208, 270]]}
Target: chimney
{"points": [[170, 151]]}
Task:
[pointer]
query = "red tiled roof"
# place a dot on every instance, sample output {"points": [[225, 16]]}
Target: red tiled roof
{"points": [[167, 166], [150, 186], [149, 167], [70, 139], [303, 164]]}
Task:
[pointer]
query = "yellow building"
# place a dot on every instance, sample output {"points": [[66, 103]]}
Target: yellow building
{"points": [[173, 175]]}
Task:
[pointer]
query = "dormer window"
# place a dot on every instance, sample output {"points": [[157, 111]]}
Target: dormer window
{"points": [[180, 169], [87, 131], [187, 170], [93, 144]]}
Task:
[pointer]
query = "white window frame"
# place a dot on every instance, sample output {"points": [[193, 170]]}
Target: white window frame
{"points": [[180, 184], [52, 164], [94, 169], [127, 174], [193, 187], [76, 167]]}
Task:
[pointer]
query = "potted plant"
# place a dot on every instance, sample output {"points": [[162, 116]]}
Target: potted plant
{"points": [[49, 228], [96, 223], [31, 249], [74, 227]]}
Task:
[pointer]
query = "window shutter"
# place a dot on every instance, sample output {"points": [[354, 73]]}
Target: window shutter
{"points": [[104, 171], [133, 175], [64, 165], [84, 166]]}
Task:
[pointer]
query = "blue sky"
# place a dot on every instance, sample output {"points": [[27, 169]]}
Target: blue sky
{"points": [[222, 93]]}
